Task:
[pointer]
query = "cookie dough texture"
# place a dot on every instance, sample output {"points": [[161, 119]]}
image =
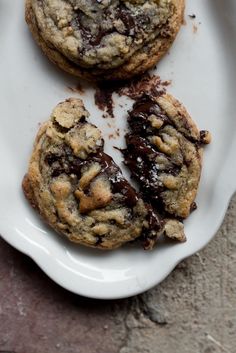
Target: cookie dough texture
{"points": [[106, 39], [78, 189], [164, 153]]}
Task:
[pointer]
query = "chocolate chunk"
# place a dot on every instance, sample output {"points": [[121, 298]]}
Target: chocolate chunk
{"points": [[205, 137], [51, 158], [94, 39], [142, 110], [125, 16], [193, 207]]}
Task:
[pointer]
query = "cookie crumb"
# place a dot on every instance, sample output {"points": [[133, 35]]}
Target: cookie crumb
{"points": [[103, 98], [205, 137], [193, 16], [117, 132], [193, 206], [166, 83], [77, 89], [149, 84], [134, 89], [195, 29]]}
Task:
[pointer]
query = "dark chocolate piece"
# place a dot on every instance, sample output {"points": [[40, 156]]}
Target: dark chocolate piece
{"points": [[122, 12], [140, 157]]}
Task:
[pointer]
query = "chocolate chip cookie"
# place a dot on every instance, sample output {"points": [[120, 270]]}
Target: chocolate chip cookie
{"points": [[105, 39], [164, 154], [79, 190]]}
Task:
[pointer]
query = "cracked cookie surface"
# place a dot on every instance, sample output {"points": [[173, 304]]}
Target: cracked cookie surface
{"points": [[104, 39], [164, 154], [78, 189]]}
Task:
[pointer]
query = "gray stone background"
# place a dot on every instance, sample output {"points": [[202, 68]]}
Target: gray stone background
{"points": [[192, 311]]}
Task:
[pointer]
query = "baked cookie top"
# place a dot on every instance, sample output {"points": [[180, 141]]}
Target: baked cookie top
{"points": [[78, 189], [164, 153], [102, 34]]}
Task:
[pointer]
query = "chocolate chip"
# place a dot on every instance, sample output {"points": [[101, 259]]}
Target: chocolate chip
{"points": [[193, 207], [124, 14], [51, 158]]}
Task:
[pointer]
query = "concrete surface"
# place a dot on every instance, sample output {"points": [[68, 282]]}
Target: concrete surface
{"points": [[192, 311]]}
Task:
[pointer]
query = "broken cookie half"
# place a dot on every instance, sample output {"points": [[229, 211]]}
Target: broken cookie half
{"points": [[164, 154]]}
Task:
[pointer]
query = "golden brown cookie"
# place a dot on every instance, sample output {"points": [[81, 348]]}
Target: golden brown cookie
{"points": [[164, 154], [107, 39], [79, 190]]}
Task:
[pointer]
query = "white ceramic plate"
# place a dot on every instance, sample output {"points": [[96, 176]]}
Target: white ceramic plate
{"points": [[202, 67]]}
